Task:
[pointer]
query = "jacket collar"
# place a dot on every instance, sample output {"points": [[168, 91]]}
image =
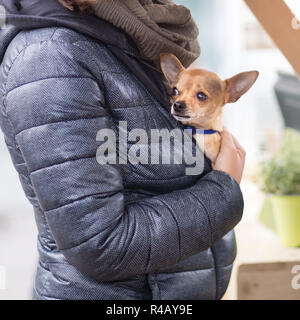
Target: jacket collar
{"points": [[38, 14]]}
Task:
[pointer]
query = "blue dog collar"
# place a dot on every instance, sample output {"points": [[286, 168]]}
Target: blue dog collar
{"points": [[193, 130]]}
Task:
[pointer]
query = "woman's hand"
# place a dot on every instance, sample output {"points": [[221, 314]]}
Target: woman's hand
{"points": [[231, 158]]}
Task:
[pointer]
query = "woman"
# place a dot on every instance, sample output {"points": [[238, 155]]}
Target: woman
{"points": [[111, 231]]}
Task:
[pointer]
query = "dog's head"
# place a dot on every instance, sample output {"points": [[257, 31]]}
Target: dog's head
{"points": [[199, 95]]}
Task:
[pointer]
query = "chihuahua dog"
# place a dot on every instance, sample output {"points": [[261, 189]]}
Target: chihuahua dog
{"points": [[199, 97]]}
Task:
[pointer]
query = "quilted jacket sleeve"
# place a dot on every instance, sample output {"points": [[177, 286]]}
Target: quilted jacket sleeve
{"points": [[56, 116]]}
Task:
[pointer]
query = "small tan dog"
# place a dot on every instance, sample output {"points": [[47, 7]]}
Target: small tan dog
{"points": [[199, 97]]}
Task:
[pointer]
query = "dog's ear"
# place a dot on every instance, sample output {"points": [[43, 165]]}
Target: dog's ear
{"points": [[240, 84], [170, 66]]}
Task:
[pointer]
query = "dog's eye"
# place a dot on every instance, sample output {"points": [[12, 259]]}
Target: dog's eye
{"points": [[202, 96], [175, 92]]}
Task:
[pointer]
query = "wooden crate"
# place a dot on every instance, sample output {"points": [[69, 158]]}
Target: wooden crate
{"points": [[269, 281]]}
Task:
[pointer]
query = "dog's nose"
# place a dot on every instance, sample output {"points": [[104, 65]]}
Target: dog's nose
{"points": [[179, 106]]}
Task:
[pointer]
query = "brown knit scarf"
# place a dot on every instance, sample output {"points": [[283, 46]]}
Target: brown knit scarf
{"points": [[155, 25]]}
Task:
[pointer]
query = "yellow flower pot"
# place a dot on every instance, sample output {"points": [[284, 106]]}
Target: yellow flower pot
{"points": [[287, 219]]}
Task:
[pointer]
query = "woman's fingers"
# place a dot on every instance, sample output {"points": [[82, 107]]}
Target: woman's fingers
{"points": [[238, 146], [231, 158], [227, 139]]}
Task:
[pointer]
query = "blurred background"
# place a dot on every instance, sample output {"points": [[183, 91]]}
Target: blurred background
{"points": [[232, 41]]}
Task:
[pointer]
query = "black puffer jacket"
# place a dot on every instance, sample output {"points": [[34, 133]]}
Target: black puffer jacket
{"points": [[106, 231]]}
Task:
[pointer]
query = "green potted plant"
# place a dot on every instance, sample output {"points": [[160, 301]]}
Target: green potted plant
{"points": [[280, 178]]}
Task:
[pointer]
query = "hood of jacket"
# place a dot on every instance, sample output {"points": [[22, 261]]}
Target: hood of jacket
{"points": [[16, 16], [32, 14]]}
